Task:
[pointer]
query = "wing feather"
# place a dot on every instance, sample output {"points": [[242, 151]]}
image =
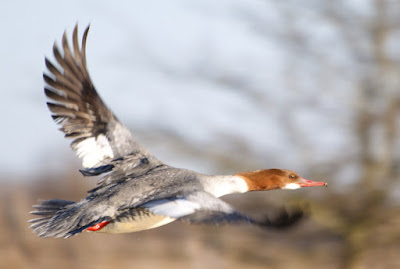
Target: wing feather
{"points": [[203, 208], [98, 136]]}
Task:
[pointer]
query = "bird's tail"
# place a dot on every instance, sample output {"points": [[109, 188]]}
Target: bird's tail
{"points": [[57, 218], [61, 218]]}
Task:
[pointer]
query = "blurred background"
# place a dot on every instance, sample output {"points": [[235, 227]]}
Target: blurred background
{"points": [[217, 87]]}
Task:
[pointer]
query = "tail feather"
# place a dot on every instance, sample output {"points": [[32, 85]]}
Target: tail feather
{"points": [[61, 218], [56, 218]]}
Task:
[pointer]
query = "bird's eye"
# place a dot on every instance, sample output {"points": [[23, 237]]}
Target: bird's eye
{"points": [[292, 176]]}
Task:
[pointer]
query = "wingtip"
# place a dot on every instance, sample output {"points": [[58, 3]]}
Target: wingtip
{"points": [[284, 219], [76, 27]]}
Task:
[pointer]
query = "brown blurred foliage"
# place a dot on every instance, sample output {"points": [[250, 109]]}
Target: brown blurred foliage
{"points": [[310, 244]]}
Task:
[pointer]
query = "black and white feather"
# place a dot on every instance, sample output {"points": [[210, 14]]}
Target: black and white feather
{"points": [[98, 137]]}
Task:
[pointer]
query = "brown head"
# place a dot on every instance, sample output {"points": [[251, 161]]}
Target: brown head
{"points": [[276, 179]]}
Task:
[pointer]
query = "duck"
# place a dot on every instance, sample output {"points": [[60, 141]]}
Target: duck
{"points": [[136, 191]]}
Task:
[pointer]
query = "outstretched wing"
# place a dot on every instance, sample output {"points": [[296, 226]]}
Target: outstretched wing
{"points": [[98, 136], [203, 208], [198, 207]]}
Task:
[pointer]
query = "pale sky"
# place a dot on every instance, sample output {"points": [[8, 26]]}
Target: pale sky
{"points": [[156, 63]]}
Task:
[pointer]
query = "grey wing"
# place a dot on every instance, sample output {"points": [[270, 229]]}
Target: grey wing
{"points": [[198, 207], [282, 220], [203, 208], [98, 137]]}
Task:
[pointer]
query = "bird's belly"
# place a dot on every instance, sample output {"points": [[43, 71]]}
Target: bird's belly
{"points": [[135, 220]]}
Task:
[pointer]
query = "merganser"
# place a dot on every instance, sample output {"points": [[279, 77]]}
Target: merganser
{"points": [[137, 191]]}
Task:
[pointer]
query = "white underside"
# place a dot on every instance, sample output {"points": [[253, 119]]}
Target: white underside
{"points": [[147, 223], [163, 222]]}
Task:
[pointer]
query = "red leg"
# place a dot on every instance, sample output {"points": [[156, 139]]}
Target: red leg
{"points": [[98, 226]]}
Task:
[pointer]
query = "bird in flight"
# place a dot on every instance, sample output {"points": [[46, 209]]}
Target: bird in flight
{"points": [[136, 191]]}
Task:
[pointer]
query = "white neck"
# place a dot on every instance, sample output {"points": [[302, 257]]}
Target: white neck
{"points": [[223, 185]]}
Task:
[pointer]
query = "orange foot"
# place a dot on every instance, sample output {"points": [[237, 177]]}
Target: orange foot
{"points": [[98, 226]]}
